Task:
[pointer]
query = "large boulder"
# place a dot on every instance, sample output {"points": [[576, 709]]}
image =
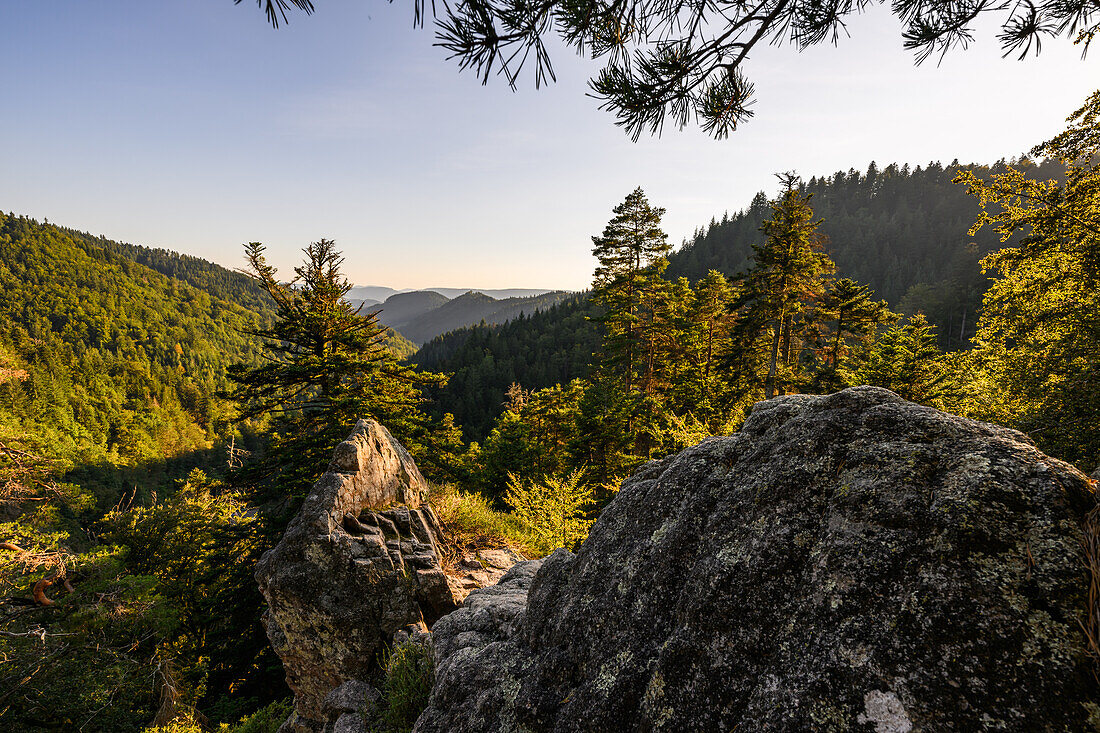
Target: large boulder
{"points": [[359, 563], [853, 562]]}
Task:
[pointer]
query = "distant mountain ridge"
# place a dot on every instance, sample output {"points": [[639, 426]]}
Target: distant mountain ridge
{"points": [[422, 315], [380, 292]]}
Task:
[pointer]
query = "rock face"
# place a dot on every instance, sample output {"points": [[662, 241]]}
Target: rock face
{"points": [[487, 615], [852, 562], [357, 564], [480, 568]]}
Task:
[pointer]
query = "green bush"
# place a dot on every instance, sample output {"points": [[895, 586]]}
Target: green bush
{"points": [[265, 720], [410, 674], [470, 520], [552, 509]]}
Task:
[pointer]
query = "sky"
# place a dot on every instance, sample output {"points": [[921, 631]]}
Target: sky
{"points": [[195, 127]]}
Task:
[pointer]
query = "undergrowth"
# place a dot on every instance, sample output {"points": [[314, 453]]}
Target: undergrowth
{"points": [[410, 674], [470, 523], [265, 720]]}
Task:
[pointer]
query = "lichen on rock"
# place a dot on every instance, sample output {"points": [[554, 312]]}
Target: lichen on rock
{"points": [[853, 562], [359, 563]]}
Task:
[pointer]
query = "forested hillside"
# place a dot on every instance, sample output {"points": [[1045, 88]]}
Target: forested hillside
{"points": [[121, 360], [551, 346], [473, 308], [903, 231], [113, 358]]}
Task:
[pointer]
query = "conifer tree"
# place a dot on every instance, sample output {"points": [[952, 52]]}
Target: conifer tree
{"points": [[788, 273], [904, 359], [855, 316], [326, 367], [631, 253], [629, 288], [705, 338]]}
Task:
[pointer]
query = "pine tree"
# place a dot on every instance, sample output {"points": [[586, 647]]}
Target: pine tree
{"points": [[631, 253], [788, 273], [326, 367]]}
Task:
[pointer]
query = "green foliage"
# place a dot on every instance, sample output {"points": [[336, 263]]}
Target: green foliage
{"points": [[119, 360], [265, 720], [900, 230], [553, 508], [91, 660], [537, 434], [904, 359], [787, 276], [471, 521], [857, 316], [549, 347], [201, 544], [409, 676], [326, 367], [1038, 338]]}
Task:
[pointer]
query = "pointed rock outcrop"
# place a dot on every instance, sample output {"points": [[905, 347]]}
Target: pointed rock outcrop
{"points": [[359, 563]]}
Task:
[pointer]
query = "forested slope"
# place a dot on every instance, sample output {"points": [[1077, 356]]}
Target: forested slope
{"points": [[121, 360], [902, 231], [548, 347]]}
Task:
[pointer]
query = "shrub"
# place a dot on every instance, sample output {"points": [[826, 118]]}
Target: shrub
{"points": [[410, 674], [265, 720], [471, 522], [552, 509]]}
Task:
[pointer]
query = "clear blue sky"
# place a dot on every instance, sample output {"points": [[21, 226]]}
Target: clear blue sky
{"points": [[194, 126]]}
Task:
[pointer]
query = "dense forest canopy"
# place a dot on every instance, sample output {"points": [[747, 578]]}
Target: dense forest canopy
{"points": [[122, 360]]}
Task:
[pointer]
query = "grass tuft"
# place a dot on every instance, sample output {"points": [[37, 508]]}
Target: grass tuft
{"points": [[410, 674]]}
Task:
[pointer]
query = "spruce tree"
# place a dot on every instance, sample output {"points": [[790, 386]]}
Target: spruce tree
{"points": [[854, 316], [631, 253], [629, 288], [788, 274], [904, 359], [326, 367]]}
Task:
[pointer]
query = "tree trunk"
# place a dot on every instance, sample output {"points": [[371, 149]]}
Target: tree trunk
{"points": [[769, 383]]}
